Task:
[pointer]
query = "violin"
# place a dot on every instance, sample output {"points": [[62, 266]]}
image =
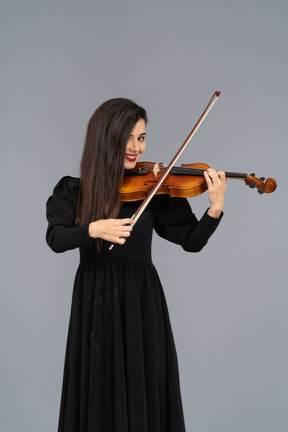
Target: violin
{"points": [[182, 185], [183, 182]]}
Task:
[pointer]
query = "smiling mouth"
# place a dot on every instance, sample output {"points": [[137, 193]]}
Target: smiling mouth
{"points": [[130, 157]]}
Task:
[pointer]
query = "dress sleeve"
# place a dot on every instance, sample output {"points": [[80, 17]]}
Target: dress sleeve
{"points": [[174, 221], [62, 234]]}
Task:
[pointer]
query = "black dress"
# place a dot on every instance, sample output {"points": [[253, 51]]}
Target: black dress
{"points": [[121, 371]]}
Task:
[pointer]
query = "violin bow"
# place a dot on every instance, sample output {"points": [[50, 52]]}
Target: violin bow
{"points": [[157, 185]]}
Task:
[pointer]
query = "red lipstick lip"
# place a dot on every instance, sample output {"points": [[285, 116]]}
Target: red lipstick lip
{"points": [[130, 157]]}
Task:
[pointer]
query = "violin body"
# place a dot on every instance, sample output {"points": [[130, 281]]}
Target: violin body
{"points": [[183, 182], [137, 187]]}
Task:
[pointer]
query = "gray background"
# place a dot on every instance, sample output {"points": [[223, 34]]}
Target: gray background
{"points": [[228, 304]]}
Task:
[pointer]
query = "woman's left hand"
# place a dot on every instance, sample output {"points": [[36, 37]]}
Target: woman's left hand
{"points": [[216, 182]]}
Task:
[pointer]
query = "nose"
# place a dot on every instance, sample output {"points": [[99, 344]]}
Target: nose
{"points": [[133, 145]]}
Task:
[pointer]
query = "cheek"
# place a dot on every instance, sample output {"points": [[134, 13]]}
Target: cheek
{"points": [[142, 147]]}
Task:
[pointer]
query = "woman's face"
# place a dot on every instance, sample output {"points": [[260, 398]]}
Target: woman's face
{"points": [[135, 145]]}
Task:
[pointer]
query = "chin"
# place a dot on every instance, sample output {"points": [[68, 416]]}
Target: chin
{"points": [[129, 165]]}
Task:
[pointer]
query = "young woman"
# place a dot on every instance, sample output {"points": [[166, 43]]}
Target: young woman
{"points": [[121, 371]]}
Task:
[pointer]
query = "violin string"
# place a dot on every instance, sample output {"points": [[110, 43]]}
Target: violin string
{"points": [[182, 170], [200, 172]]}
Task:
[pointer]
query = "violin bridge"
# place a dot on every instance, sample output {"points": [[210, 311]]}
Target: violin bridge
{"points": [[156, 169]]}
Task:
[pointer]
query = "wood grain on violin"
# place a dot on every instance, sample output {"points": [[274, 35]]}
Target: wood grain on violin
{"points": [[182, 182]]}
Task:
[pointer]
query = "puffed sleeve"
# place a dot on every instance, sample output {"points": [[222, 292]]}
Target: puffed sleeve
{"points": [[174, 221], [62, 234]]}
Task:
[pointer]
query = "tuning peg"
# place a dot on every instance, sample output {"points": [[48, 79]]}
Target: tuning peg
{"points": [[262, 178], [252, 185], [252, 174], [260, 191]]}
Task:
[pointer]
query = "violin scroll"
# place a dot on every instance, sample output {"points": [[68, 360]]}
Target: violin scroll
{"points": [[260, 184]]}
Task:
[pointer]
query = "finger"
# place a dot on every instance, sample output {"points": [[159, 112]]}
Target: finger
{"points": [[118, 240], [211, 172], [217, 177], [125, 233], [207, 176], [222, 175], [127, 221], [126, 228]]}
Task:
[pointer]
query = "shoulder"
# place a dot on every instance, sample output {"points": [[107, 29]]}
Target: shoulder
{"points": [[67, 185], [61, 206], [65, 192]]}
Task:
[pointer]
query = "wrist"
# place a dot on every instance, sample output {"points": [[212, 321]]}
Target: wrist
{"points": [[215, 212], [92, 230]]}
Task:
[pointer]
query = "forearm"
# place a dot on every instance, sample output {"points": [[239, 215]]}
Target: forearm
{"points": [[62, 238], [199, 235]]}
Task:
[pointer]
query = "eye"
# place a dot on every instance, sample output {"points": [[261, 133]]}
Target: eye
{"points": [[141, 138]]}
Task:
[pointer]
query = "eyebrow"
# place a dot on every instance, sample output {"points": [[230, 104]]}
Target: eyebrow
{"points": [[144, 133]]}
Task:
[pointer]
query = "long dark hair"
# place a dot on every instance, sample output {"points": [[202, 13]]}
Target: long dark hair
{"points": [[102, 163]]}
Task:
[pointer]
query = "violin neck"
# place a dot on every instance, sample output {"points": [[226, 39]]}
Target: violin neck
{"points": [[196, 172]]}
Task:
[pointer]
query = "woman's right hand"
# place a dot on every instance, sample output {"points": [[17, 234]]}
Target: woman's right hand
{"points": [[112, 230]]}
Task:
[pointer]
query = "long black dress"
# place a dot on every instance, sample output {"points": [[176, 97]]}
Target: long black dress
{"points": [[121, 371]]}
